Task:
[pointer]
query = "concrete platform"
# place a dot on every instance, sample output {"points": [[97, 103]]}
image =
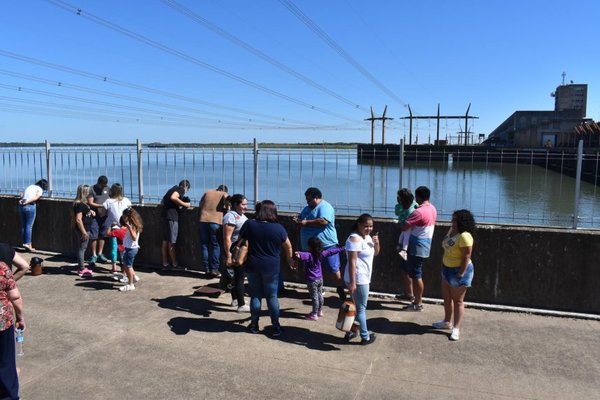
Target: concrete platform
{"points": [[87, 340]]}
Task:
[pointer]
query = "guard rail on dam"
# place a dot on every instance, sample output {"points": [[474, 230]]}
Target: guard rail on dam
{"points": [[554, 269], [559, 160]]}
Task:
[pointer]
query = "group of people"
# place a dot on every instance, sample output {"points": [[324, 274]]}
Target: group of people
{"points": [[101, 213]]}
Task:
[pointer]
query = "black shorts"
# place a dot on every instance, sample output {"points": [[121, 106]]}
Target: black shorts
{"points": [[170, 229]]}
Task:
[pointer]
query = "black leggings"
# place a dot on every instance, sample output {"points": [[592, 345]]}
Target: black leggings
{"points": [[237, 291], [9, 382]]}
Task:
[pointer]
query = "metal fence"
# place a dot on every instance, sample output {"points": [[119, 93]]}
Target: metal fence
{"points": [[505, 186]]}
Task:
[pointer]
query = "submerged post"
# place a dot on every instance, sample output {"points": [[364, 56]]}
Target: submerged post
{"points": [[49, 168], [255, 171], [577, 184], [140, 172]]}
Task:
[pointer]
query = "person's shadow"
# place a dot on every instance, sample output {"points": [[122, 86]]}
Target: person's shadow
{"points": [[385, 326]]}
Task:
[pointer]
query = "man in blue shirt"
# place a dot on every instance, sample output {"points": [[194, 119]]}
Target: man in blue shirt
{"points": [[318, 219]]}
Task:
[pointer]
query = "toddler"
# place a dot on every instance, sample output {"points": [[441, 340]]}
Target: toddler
{"points": [[314, 275], [406, 205]]}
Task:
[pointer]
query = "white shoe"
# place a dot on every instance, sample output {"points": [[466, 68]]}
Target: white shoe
{"points": [[244, 308], [127, 288], [136, 279], [123, 279], [455, 334], [441, 324], [234, 303], [403, 254]]}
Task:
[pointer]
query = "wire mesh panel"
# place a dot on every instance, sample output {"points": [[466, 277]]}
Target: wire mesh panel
{"points": [[499, 186]]}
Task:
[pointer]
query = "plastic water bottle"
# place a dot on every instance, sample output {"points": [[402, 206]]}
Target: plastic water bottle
{"points": [[19, 342]]}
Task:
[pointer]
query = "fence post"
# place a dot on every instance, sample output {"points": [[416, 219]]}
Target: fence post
{"points": [[401, 166], [577, 184], [49, 168], [255, 171], [140, 172]]}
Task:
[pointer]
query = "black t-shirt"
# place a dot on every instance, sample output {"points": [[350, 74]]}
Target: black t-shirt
{"points": [[7, 254], [170, 208], [86, 217]]}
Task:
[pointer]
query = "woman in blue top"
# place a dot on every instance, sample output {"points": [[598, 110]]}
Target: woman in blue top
{"points": [[266, 237]]}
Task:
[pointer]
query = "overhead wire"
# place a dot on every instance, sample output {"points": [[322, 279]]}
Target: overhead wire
{"points": [[143, 39], [63, 84], [113, 81], [338, 49], [260, 54]]}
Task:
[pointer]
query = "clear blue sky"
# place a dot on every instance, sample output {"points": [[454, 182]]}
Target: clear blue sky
{"points": [[299, 71]]}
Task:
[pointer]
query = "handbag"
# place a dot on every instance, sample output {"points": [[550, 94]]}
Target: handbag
{"points": [[240, 252]]}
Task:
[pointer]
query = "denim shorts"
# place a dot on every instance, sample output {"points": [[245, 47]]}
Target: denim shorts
{"points": [[332, 263], [450, 275], [129, 256], [415, 266]]}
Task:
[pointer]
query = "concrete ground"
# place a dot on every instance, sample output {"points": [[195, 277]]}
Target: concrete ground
{"points": [[87, 340]]}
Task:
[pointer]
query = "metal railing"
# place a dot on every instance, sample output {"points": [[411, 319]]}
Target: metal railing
{"points": [[505, 186]]}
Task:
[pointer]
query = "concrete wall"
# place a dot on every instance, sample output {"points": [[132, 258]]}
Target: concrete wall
{"points": [[530, 267]]}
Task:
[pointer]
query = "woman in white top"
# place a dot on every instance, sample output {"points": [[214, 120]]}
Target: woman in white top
{"points": [[361, 248], [114, 207], [232, 224], [27, 210]]}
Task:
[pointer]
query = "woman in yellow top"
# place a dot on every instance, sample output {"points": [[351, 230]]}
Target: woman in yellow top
{"points": [[457, 271]]}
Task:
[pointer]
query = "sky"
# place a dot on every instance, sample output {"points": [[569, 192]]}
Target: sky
{"points": [[289, 71]]}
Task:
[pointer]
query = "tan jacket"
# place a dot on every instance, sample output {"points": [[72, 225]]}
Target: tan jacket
{"points": [[212, 206]]}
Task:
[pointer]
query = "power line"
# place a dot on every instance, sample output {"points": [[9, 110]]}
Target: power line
{"points": [[106, 79], [239, 42], [337, 48], [79, 12], [62, 84]]}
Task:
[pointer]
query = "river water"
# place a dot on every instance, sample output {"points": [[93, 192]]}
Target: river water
{"points": [[496, 193]]}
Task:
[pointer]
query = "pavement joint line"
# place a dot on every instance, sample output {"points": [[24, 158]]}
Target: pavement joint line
{"points": [[426, 300]]}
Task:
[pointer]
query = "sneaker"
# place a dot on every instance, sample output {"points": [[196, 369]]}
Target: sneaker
{"points": [[136, 279], [277, 331], [244, 308], [86, 272], [234, 303], [311, 317], [80, 272], [455, 334], [403, 254], [167, 267], [413, 307], [370, 340], [102, 259], [350, 335], [253, 328], [320, 313], [123, 279], [127, 288], [117, 276], [92, 260], [441, 324]]}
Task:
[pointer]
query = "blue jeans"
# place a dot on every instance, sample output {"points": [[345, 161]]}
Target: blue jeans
{"points": [[360, 298], [211, 252], [27, 218], [263, 286]]}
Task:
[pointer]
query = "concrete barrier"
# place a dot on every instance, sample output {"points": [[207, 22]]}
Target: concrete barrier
{"points": [[554, 269]]}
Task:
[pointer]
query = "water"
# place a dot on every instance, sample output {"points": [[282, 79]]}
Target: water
{"points": [[498, 193]]}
